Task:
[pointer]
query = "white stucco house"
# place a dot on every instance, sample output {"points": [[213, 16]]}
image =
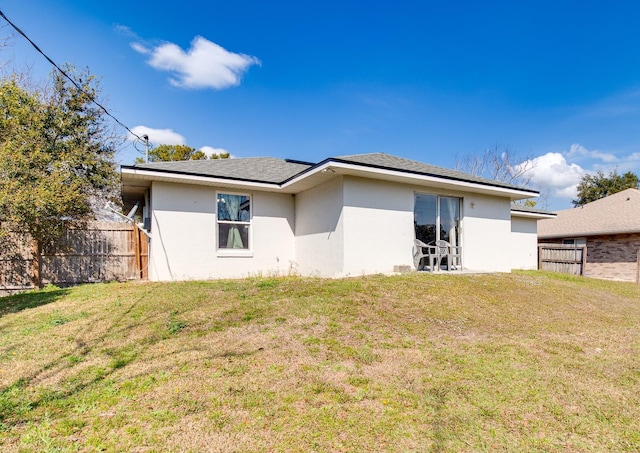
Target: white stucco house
{"points": [[344, 216]]}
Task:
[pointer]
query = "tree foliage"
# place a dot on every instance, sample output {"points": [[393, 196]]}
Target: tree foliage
{"points": [[56, 155], [224, 155], [168, 153], [599, 185]]}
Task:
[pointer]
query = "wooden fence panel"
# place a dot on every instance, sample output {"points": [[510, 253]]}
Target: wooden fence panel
{"points": [[103, 251], [568, 259], [16, 264]]}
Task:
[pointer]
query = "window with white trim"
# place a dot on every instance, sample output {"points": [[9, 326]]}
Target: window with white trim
{"points": [[234, 221]]}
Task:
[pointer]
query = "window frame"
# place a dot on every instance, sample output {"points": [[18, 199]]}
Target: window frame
{"points": [[438, 202], [577, 241], [225, 251]]}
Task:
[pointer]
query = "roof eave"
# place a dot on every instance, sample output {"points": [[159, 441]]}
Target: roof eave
{"points": [[324, 171], [533, 215], [587, 233], [337, 166], [130, 173]]}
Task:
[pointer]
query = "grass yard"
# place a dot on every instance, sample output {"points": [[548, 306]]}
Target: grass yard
{"points": [[509, 362]]}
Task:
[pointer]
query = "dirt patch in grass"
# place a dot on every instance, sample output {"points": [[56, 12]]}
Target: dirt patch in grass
{"points": [[525, 361]]}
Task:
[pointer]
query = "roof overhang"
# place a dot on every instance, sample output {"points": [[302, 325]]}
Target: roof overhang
{"points": [[138, 179], [532, 215], [576, 234], [316, 174]]}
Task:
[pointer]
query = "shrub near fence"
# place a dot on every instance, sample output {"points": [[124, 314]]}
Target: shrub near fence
{"points": [[103, 251]]}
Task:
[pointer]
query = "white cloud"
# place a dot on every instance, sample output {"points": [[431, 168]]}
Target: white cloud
{"points": [[204, 65], [209, 150], [568, 192], [158, 136], [578, 150], [125, 30], [140, 48], [552, 171]]}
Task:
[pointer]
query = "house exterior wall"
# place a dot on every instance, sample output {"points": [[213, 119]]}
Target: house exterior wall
{"points": [[319, 231], [184, 241], [486, 232], [345, 226], [378, 226], [524, 243], [613, 257]]}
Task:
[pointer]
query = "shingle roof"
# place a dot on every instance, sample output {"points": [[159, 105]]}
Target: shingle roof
{"points": [[391, 162], [617, 213], [528, 209], [258, 169], [277, 171]]}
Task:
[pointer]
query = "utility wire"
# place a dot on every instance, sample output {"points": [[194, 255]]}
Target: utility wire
{"points": [[93, 99]]}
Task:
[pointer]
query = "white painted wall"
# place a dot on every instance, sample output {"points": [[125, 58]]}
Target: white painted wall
{"points": [[182, 223], [486, 233], [374, 231], [524, 243], [319, 234], [183, 244], [346, 226], [378, 226]]}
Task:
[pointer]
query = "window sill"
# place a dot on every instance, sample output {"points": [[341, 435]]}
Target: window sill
{"points": [[231, 253]]}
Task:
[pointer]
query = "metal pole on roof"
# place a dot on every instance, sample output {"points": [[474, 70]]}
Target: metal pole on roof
{"points": [[145, 137]]}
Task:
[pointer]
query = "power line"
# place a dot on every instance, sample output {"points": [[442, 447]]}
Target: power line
{"points": [[91, 98]]}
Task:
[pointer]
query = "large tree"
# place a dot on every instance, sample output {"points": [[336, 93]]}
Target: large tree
{"points": [[56, 157], [167, 153], [599, 185]]}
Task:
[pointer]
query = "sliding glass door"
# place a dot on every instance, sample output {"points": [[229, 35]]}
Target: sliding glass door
{"points": [[437, 218]]}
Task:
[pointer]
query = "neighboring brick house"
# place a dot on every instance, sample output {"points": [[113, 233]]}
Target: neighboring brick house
{"points": [[609, 227]]}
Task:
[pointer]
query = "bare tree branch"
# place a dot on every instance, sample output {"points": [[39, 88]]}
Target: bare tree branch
{"points": [[6, 40], [500, 163]]}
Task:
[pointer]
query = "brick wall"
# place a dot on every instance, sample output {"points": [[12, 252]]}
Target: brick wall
{"points": [[613, 257]]}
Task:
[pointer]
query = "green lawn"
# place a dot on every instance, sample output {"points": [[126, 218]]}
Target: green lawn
{"points": [[507, 362]]}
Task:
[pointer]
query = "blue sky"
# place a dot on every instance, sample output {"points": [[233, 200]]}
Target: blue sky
{"points": [[556, 81]]}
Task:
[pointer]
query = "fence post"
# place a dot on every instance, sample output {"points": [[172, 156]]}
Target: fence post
{"points": [[638, 269], [539, 257], [136, 240], [37, 263]]}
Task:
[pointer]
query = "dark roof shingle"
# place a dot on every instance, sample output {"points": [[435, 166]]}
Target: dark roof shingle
{"points": [[391, 162], [277, 171], [259, 169]]}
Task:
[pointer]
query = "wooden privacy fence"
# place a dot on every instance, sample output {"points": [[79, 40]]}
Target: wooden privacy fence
{"points": [[103, 251], [568, 259]]}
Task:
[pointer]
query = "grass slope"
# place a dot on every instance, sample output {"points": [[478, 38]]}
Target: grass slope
{"points": [[519, 362]]}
